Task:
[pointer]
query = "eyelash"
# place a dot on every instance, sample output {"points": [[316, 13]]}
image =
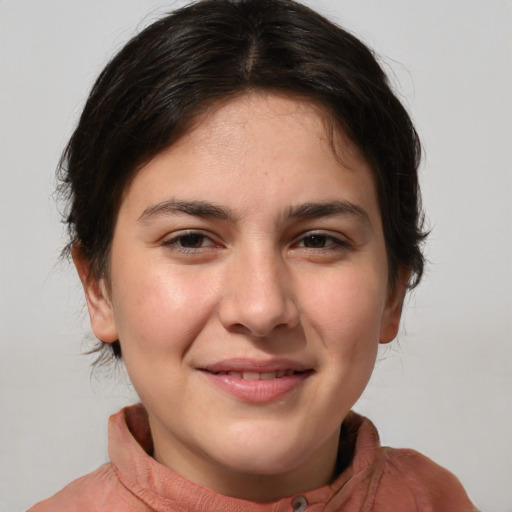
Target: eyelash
{"points": [[334, 244], [174, 242]]}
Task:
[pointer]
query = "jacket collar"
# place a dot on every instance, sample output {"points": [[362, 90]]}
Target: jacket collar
{"points": [[164, 490]]}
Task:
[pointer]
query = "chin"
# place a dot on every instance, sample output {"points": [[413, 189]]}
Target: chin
{"points": [[263, 452], [270, 463]]}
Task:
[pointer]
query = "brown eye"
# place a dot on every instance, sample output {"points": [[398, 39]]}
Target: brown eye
{"points": [[322, 241], [315, 241], [191, 241]]}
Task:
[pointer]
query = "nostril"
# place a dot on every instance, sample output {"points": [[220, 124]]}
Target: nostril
{"points": [[257, 310]]}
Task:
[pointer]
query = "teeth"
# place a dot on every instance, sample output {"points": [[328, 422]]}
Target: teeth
{"points": [[258, 376], [250, 375]]}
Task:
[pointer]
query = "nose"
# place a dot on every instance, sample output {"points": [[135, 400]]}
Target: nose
{"points": [[258, 296]]}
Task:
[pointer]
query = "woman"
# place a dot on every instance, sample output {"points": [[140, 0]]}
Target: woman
{"points": [[244, 217]]}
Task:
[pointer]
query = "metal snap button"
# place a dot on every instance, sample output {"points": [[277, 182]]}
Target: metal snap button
{"points": [[299, 504]]}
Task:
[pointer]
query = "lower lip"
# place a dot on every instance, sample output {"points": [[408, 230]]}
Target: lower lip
{"points": [[260, 390]]}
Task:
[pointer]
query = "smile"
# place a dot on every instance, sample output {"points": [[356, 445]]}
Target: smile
{"points": [[253, 382]]}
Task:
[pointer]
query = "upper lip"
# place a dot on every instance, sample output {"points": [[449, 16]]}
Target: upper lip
{"points": [[251, 365]]}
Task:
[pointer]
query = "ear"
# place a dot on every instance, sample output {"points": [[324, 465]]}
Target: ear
{"points": [[393, 310], [99, 304]]}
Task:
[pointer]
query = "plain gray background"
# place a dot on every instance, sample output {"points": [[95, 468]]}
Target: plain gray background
{"points": [[445, 389]]}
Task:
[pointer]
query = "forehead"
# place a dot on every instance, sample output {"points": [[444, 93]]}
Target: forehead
{"points": [[261, 110], [268, 147]]}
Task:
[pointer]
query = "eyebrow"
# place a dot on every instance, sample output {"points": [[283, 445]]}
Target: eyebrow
{"points": [[202, 209], [207, 210], [327, 209]]}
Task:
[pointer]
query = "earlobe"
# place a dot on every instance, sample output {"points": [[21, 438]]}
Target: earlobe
{"points": [[99, 304], [393, 310]]}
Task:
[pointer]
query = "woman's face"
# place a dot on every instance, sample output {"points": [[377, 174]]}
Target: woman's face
{"points": [[249, 291]]}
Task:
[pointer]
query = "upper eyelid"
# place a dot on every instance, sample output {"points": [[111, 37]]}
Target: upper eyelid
{"points": [[175, 236], [324, 232], [335, 243], [187, 231], [304, 234]]}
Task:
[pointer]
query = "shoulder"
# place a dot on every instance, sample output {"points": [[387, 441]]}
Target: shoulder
{"points": [[414, 479], [98, 491]]}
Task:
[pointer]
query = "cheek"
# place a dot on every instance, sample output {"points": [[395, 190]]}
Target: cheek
{"points": [[158, 308], [345, 312]]}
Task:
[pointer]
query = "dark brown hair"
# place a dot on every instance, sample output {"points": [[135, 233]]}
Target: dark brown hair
{"points": [[212, 50]]}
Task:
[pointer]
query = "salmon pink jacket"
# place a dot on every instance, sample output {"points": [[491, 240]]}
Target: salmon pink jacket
{"points": [[377, 479]]}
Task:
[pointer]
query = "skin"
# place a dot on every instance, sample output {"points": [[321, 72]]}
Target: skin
{"points": [[261, 276]]}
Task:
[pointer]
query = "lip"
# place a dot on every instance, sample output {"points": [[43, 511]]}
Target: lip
{"points": [[257, 390], [252, 365]]}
